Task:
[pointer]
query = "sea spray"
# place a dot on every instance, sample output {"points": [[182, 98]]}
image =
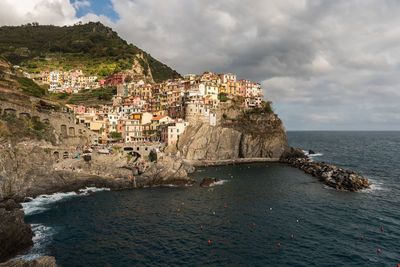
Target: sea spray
{"points": [[42, 202], [43, 237]]}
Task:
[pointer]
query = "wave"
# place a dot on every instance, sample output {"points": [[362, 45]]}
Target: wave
{"points": [[41, 240], [375, 186], [220, 182], [312, 155], [42, 202]]}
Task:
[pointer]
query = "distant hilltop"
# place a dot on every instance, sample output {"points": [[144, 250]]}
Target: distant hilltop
{"points": [[94, 48]]}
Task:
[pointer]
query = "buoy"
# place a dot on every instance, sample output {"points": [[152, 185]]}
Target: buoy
{"points": [[291, 236], [214, 212], [279, 244], [201, 227], [297, 221], [179, 209], [183, 203], [362, 237], [209, 241], [379, 250], [270, 208], [225, 206], [398, 265], [381, 228], [227, 221], [253, 224]]}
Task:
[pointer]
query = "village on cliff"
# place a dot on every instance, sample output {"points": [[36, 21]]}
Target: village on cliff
{"points": [[146, 112]]}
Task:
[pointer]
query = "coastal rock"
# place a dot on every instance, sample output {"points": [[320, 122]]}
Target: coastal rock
{"points": [[207, 182], [332, 176], [167, 170], [44, 261], [201, 141], [311, 152], [15, 234], [29, 171]]}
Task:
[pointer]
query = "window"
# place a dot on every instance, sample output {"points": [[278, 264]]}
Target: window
{"points": [[172, 131], [177, 130]]}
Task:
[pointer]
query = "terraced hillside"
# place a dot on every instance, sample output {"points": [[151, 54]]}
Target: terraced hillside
{"points": [[92, 47]]}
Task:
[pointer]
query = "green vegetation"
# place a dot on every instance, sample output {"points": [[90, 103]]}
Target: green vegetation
{"points": [[222, 97], [30, 87], [92, 47], [101, 94], [116, 135], [266, 109]]}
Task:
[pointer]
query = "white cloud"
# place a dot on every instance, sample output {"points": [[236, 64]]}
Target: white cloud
{"points": [[57, 12], [79, 4]]}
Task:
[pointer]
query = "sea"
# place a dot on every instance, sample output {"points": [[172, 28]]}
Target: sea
{"points": [[261, 214]]}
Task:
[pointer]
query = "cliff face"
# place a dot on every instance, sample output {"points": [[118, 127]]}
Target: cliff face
{"points": [[238, 134], [15, 234], [30, 170]]}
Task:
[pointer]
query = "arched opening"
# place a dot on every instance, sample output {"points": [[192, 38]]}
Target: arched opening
{"points": [[128, 148], [71, 131], [56, 155], [24, 116], [9, 113], [47, 121], [64, 130], [80, 131], [65, 155]]}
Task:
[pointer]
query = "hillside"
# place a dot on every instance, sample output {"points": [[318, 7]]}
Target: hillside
{"points": [[92, 47]]}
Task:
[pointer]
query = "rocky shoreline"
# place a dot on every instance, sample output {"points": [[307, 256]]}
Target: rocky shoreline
{"points": [[27, 177], [332, 176]]}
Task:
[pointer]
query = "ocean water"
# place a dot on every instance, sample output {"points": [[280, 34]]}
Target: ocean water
{"points": [[241, 220]]}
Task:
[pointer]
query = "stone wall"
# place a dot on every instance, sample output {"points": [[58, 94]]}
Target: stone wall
{"points": [[67, 131]]}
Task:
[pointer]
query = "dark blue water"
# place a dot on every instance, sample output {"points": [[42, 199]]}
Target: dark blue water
{"points": [[161, 226]]}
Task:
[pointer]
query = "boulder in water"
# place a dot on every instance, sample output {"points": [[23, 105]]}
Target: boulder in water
{"points": [[207, 182], [311, 152]]}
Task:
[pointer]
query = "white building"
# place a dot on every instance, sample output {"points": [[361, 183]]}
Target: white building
{"points": [[228, 77]]}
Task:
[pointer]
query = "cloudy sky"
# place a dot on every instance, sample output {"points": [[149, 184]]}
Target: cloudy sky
{"points": [[326, 65]]}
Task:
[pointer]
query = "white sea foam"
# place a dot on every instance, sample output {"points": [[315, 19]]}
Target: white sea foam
{"points": [[220, 182], [375, 186], [87, 190], [43, 237], [312, 155], [41, 202]]}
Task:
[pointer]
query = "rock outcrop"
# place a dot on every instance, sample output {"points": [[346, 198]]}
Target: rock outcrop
{"points": [[15, 234], [44, 261], [237, 134], [207, 182], [332, 176]]}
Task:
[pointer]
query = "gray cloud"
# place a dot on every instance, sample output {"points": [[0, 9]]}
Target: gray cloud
{"points": [[325, 64]]}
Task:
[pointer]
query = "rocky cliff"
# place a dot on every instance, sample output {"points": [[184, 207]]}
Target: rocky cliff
{"points": [[238, 134], [28, 170], [15, 234]]}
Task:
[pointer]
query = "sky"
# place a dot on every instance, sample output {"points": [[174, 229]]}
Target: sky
{"points": [[326, 65]]}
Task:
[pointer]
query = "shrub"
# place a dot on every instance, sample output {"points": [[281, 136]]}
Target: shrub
{"points": [[222, 97], [115, 135]]}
